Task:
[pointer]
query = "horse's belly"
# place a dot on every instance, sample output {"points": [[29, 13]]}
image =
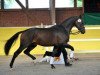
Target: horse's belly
{"points": [[49, 39], [45, 43], [48, 42]]}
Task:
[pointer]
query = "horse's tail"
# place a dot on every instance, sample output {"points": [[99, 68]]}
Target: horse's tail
{"points": [[10, 42]]}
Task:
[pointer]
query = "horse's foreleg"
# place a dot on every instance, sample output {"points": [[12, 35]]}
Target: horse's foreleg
{"points": [[51, 63], [72, 50], [27, 51], [64, 52], [65, 58], [19, 50]]}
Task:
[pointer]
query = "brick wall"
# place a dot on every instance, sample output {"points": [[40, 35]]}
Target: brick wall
{"points": [[62, 14], [17, 18]]}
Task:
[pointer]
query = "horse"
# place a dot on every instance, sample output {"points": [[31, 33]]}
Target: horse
{"points": [[57, 35]]}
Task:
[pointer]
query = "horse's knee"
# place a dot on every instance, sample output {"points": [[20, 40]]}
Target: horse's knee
{"points": [[72, 49], [17, 52]]}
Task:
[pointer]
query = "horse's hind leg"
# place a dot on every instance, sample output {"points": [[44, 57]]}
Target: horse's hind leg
{"points": [[19, 50], [27, 51]]}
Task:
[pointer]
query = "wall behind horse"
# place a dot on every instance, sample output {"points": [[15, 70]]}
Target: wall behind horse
{"points": [[18, 18], [62, 14]]}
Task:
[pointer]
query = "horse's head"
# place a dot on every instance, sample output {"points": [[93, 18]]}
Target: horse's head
{"points": [[80, 25]]}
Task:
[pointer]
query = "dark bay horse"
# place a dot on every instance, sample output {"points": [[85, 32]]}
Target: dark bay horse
{"points": [[54, 36]]}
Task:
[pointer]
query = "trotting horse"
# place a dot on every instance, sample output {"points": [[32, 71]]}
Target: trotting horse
{"points": [[54, 36]]}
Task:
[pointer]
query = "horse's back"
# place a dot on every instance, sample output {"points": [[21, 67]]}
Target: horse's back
{"points": [[49, 36]]}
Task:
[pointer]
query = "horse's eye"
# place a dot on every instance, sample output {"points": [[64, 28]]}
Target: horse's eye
{"points": [[79, 20]]}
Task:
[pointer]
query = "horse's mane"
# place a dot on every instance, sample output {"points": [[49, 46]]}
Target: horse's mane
{"points": [[65, 21], [70, 18]]}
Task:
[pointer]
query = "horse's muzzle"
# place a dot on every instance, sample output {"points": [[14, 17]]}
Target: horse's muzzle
{"points": [[82, 30]]}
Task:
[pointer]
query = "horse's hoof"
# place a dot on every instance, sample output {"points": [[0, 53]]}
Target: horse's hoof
{"points": [[68, 64], [11, 69], [52, 67], [34, 63], [44, 55], [76, 59], [34, 58]]}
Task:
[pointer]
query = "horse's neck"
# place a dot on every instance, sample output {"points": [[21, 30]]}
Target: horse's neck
{"points": [[68, 26], [69, 23]]}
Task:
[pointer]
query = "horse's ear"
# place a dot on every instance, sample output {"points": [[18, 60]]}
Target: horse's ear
{"points": [[81, 15]]}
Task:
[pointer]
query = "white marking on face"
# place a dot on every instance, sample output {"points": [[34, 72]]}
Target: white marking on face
{"points": [[79, 20]]}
